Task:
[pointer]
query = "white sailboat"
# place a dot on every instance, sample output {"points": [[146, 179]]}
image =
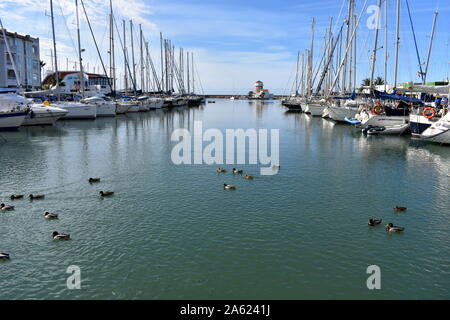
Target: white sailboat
{"points": [[105, 107]]}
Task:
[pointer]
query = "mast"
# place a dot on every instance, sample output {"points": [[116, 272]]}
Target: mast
{"points": [[132, 57], [310, 62], [79, 51], [142, 59], [54, 49], [193, 74], [375, 49], [347, 40], [125, 56], [162, 58], [296, 74], [111, 50], [188, 79], [431, 46], [386, 51], [397, 44]]}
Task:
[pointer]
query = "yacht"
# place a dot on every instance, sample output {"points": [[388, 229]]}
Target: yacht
{"points": [[316, 107], [341, 113], [438, 132], [42, 114], [77, 110], [13, 110], [105, 107]]}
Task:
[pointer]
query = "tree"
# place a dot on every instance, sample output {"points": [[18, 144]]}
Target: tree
{"points": [[366, 82], [379, 81]]}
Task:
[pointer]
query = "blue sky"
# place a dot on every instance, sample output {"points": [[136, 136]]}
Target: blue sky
{"points": [[235, 42]]}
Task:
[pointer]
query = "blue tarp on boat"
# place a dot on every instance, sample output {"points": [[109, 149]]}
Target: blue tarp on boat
{"points": [[352, 97], [394, 96]]}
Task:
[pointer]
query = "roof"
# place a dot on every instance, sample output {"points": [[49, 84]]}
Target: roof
{"points": [[16, 35], [63, 74]]}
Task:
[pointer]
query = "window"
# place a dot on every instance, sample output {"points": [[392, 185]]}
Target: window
{"points": [[11, 74], [35, 64], [34, 49], [35, 77]]}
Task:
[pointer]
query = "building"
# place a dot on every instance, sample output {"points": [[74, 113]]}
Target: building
{"points": [[259, 92], [26, 56], [70, 82]]}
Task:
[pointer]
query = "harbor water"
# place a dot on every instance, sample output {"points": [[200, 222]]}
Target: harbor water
{"points": [[173, 232]]}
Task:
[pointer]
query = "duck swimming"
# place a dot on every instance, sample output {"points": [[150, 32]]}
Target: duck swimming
{"points": [[106, 194], [374, 223], [391, 228], [4, 256], [60, 236], [36, 197], [400, 209], [221, 170], [4, 207], [49, 215], [248, 177], [228, 187], [236, 171], [16, 196], [93, 180]]}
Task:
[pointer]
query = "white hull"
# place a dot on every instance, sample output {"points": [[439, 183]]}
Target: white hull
{"points": [[144, 107], [438, 132], [11, 120], [106, 110], [41, 115], [384, 121], [315, 109], [133, 108], [122, 108], [78, 110], [340, 113], [156, 104]]}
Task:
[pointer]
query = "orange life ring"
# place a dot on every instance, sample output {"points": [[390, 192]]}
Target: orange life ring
{"points": [[378, 108], [428, 115]]}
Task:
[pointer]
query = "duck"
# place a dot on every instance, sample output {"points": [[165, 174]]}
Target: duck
{"points": [[228, 187], [400, 209], [4, 256], [391, 228], [49, 215], [36, 197], [249, 177], [221, 170], [374, 222], [16, 196], [93, 180], [4, 207], [236, 171], [106, 193], [60, 236]]}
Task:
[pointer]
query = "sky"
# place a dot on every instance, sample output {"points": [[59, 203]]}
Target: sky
{"points": [[236, 42]]}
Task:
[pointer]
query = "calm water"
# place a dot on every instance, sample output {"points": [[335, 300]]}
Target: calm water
{"points": [[172, 232]]}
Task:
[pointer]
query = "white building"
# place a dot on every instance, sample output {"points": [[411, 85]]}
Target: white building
{"points": [[94, 84], [26, 56]]}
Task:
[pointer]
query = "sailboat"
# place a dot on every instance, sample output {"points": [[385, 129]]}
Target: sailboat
{"points": [[439, 132], [13, 109]]}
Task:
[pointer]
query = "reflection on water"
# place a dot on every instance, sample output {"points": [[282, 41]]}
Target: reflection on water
{"points": [[171, 232]]}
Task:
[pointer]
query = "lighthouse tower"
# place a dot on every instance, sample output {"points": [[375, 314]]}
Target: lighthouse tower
{"points": [[259, 87]]}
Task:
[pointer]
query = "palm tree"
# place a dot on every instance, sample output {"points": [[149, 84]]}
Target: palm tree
{"points": [[366, 82], [379, 81]]}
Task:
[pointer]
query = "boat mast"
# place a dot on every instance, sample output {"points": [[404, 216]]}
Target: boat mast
{"points": [[188, 79], [310, 61], [397, 44], [79, 51], [111, 49], [193, 74], [54, 49], [162, 58], [125, 55], [347, 41], [431, 46], [386, 51], [296, 75], [142, 58], [132, 57], [375, 49]]}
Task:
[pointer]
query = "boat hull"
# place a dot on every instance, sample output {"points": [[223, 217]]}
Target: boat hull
{"points": [[43, 116], [11, 120], [78, 111], [341, 113], [106, 110], [384, 121]]}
